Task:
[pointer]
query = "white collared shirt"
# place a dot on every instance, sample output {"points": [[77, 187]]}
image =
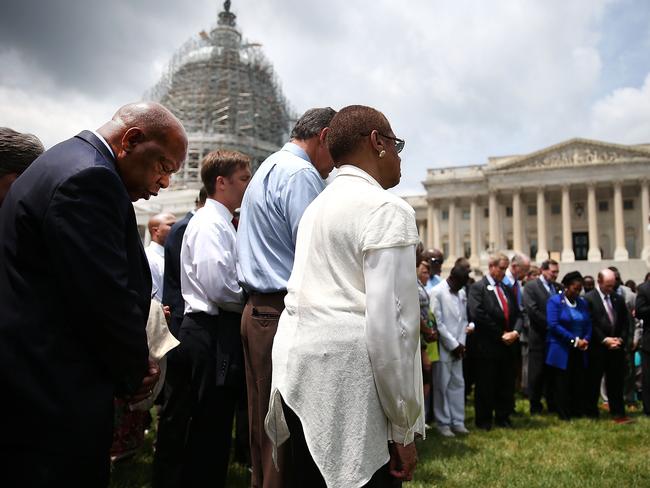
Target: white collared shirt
{"points": [[208, 262], [101, 138], [156, 257], [493, 285]]}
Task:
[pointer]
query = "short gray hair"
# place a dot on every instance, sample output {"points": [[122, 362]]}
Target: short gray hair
{"points": [[312, 122], [495, 259], [17, 151], [519, 259]]}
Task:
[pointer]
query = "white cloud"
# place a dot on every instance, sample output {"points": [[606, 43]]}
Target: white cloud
{"points": [[624, 115]]}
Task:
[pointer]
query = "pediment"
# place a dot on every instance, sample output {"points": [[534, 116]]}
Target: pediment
{"points": [[575, 152]]}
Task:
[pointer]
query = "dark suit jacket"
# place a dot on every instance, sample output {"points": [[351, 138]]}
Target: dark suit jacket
{"points": [[643, 313], [484, 310], [600, 320], [75, 290], [535, 297], [172, 279]]}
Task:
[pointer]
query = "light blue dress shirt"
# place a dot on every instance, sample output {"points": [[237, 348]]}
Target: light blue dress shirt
{"points": [[278, 194]]}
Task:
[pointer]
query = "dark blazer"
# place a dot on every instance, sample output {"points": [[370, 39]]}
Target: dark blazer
{"points": [[600, 320], [535, 297], [75, 290], [642, 307], [484, 310], [561, 337], [172, 279]]}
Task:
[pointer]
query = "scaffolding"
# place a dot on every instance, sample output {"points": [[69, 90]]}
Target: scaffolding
{"points": [[226, 94]]}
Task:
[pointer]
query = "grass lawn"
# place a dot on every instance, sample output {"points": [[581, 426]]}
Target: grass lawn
{"points": [[539, 451]]}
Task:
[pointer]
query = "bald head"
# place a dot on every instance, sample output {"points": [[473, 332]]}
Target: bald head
{"points": [[149, 144], [159, 226], [606, 281]]}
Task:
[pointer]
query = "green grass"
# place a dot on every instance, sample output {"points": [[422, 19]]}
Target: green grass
{"points": [[539, 451]]}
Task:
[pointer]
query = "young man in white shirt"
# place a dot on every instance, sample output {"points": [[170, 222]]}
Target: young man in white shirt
{"points": [[159, 226], [212, 377]]}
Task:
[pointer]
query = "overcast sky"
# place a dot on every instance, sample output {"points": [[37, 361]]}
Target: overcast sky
{"points": [[459, 80]]}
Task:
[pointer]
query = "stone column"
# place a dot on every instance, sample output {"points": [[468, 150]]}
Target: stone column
{"points": [[620, 252], [542, 251], [517, 237], [473, 233], [422, 231], [592, 215], [493, 209], [567, 237], [430, 217], [645, 210], [453, 237], [436, 228]]}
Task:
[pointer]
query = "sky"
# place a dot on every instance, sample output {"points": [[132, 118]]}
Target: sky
{"points": [[459, 80]]}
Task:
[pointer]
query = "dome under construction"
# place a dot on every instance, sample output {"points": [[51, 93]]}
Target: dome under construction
{"points": [[227, 96]]}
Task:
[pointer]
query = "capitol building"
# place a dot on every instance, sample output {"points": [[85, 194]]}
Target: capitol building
{"points": [[582, 202]]}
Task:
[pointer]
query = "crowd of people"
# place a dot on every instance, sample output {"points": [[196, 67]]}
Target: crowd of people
{"points": [[567, 344], [280, 305]]}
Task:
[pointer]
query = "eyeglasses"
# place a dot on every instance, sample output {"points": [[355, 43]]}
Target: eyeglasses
{"points": [[399, 143]]}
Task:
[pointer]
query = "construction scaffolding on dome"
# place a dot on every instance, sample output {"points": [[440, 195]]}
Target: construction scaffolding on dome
{"points": [[226, 94]]}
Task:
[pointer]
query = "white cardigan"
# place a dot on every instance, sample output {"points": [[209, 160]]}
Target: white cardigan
{"points": [[346, 355]]}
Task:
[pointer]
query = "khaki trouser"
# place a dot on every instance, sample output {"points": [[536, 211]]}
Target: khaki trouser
{"points": [[258, 326]]}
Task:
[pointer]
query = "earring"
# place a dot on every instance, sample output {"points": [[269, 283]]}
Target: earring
{"points": [[382, 153]]}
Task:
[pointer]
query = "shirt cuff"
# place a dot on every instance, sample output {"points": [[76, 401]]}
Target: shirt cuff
{"points": [[401, 435]]}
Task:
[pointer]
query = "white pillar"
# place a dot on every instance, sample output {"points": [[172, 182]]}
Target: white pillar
{"points": [[430, 217], [542, 251], [645, 211], [436, 228], [493, 210], [453, 237], [594, 248], [473, 234], [620, 252], [567, 237], [517, 237]]}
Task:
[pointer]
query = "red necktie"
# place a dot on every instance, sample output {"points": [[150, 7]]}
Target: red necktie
{"points": [[504, 304]]}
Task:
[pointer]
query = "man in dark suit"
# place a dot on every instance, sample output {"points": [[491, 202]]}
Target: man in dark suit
{"points": [[494, 310], [75, 290], [610, 324], [536, 294], [642, 308]]}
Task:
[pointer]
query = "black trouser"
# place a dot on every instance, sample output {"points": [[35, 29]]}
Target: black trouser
{"points": [[195, 429], [611, 363], [495, 387], [539, 381], [301, 470], [570, 386], [645, 381]]}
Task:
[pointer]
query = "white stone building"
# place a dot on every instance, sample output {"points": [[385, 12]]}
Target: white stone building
{"points": [[583, 203]]}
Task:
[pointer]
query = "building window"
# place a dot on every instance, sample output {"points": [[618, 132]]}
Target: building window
{"points": [[508, 211], [509, 244], [533, 247], [532, 210], [603, 206], [467, 249], [486, 212], [445, 215], [465, 214], [628, 204], [556, 209]]}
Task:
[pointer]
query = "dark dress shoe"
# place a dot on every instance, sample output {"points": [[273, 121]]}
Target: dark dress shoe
{"points": [[505, 423]]}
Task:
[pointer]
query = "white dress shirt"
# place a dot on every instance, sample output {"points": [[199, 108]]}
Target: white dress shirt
{"points": [[346, 355], [156, 257], [208, 257]]}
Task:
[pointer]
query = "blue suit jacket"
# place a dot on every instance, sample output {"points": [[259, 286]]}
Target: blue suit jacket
{"points": [[560, 338], [172, 295], [75, 290]]}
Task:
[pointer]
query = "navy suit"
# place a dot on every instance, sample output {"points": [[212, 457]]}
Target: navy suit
{"points": [[603, 361], [75, 290], [172, 295], [495, 379]]}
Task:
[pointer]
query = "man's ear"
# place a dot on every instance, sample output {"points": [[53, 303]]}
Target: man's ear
{"points": [[323, 136], [131, 138], [375, 141]]}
